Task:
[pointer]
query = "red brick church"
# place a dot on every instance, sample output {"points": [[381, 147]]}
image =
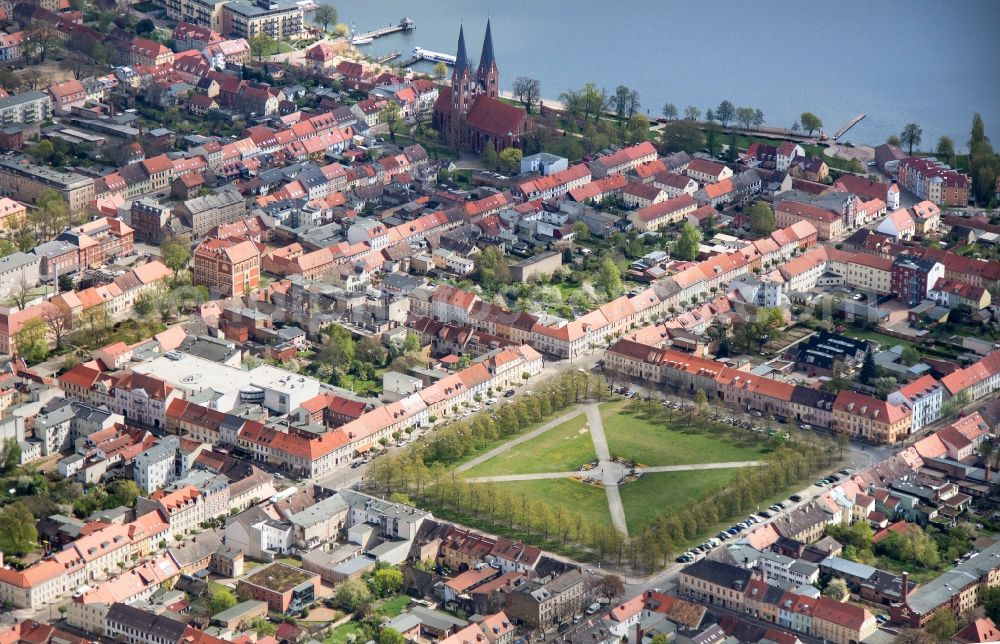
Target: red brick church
{"points": [[469, 113]]}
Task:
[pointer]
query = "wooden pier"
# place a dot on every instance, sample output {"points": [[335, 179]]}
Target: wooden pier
{"points": [[381, 60], [406, 24], [842, 131]]}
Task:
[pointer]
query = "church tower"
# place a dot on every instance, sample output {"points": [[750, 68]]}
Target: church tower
{"points": [[463, 92], [488, 76]]}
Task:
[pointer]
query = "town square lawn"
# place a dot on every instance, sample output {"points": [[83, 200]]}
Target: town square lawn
{"points": [[563, 448], [576, 498], [633, 436], [659, 493]]}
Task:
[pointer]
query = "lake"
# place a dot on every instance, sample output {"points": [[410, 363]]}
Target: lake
{"points": [[932, 63]]}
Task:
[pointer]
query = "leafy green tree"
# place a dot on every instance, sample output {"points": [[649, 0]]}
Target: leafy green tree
{"points": [[51, 213], [725, 113], [892, 139], [492, 268], [946, 148], [911, 356], [869, 370], [32, 340], [762, 219], [145, 27], [390, 636], [18, 534], [262, 45], [510, 160], [489, 157], [942, 624], [911, 136], [990, 597], [713, 134], [176, 254], [744, 116], [670, 112], [440, 70], [692, 113], [701, 403], [42, 151], [123, 492], [337, 347], [392, 116], [222, 599], [411, 343], [387, 581], [10, 456], [682, 136], [810, 122], [352, 594], [144, 304], [325, 15], [581, 232], [610, 278], [978, 132], [686, 246], [837, 589], [262, 626]]}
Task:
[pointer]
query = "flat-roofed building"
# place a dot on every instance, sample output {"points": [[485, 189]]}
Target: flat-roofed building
{"points": [[24, 180], [279, 20], [26, 107]]}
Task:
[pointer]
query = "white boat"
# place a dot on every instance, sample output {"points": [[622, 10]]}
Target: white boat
{"points": [[307, 5], [357, 40]]}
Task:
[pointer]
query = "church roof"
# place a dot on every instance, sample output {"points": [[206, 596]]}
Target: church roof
{"points": [[487, 59], [461, 58]]}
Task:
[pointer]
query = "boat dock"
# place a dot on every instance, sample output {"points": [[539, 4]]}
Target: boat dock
{"points": [[842, 131], [406, 24], [381, 60], [420, 54]]}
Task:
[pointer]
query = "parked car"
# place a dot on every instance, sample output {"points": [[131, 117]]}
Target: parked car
{"points": [[765, 514], [795, 498], [508, 393]]}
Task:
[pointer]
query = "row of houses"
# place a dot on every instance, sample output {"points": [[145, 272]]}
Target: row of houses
{"points": [[858, 415], [573, 338], [307, 454]]}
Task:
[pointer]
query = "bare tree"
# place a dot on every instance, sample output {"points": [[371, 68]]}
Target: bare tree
{"points": [[21, 293], [528, 91], [611, 587], [59, 323]]}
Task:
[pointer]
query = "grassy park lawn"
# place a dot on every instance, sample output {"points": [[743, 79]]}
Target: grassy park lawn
{"points": [[632, 436], [575, 497], [660, 493], [561, 449]]}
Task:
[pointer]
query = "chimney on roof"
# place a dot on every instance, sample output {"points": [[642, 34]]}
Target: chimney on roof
{"points": [[906, 586]]}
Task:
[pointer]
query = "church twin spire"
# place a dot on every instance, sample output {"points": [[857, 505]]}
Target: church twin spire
{"points": [[487, 75]]}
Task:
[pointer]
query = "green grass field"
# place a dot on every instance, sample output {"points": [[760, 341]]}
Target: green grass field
{"points": [[884, 341], [576, 497], [561, 449], [634, 437], [665, 492]]}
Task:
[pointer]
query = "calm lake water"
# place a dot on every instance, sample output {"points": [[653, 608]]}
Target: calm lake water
{"points": [[934, 63]]}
